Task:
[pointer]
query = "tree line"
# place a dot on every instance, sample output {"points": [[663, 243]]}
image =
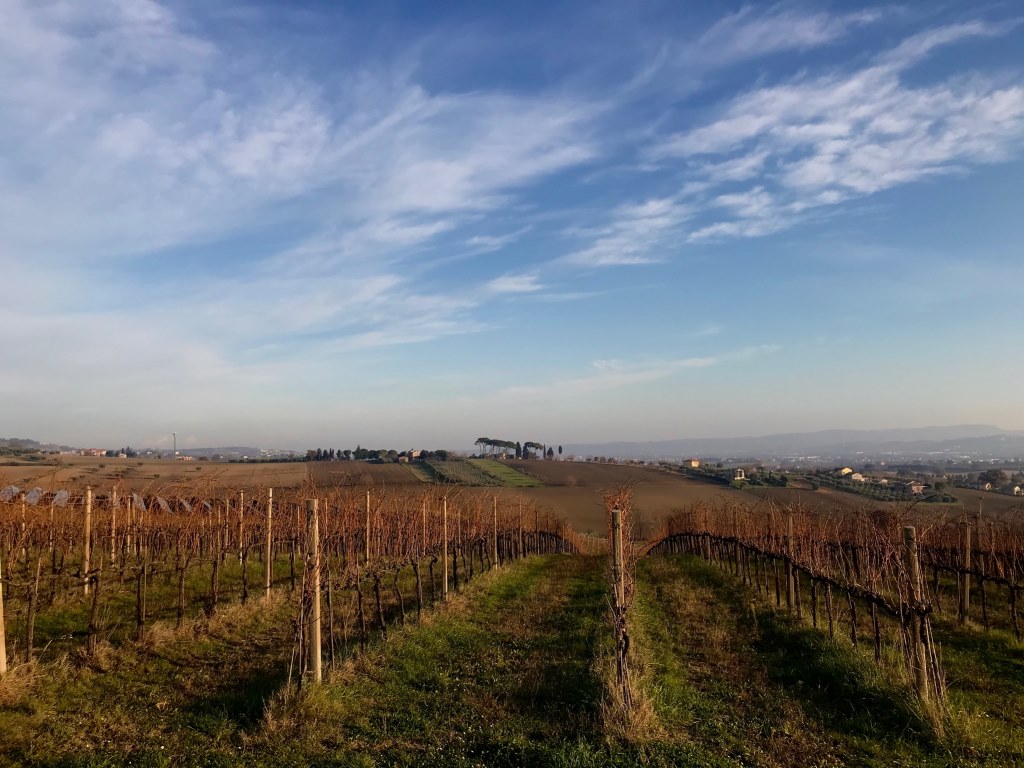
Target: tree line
{"points": [[365, 454], [527, 450]]}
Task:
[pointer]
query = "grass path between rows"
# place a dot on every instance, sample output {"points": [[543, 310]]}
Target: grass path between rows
{"points": [[503, 676], [746, 685]]}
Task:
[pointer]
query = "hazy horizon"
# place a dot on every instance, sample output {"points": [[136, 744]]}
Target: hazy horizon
{"points": [[186, 442], [572, 223]]}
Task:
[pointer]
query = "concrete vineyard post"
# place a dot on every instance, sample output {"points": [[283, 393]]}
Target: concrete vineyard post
{"points": [[618, 571], [268, 556], [444, 549], [790, 585], [917, 644], [313, 540], [87, 533], [965, 576]]}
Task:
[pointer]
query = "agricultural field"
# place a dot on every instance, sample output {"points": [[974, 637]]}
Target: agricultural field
{"points": [[518, 666], [575, 491], [328, 474], [462, 473], [139, 474], [509, 477], [996, 504]]}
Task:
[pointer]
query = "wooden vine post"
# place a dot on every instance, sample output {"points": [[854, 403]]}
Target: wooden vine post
{"points": [[918, 658], [618, 569], [268, 554], [241, 523], [87, 548], [313, 557], [444, 548], [965, 575], [113, 527], [3, 625], [367, 558], [790, 585], [494, 523], [619, 610]]}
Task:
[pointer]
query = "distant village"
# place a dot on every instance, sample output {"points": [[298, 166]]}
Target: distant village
{"points": [[882, 486]]}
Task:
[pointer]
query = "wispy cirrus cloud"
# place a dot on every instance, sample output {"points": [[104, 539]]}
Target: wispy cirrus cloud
{"points": [[814, 142], [634, 235], [614, 374], [136, 133], [777, 154], [684, 64], [751, 33]]}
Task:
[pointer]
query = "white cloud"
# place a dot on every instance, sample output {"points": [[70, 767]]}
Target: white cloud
{"points": [[153, 137], [610, 375], [634, 235], [130, 133], [514, 284], [683, 66], [488, 243], [748, 33], [607, 375], [819, 141]]}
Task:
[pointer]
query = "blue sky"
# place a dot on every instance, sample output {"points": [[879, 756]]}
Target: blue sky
{"points": [[413, 224]]}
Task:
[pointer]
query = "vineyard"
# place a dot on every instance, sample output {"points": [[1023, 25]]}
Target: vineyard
{"points": [[899, 583], [462, 473], [428, 625], [99, 568], [508, 476]]}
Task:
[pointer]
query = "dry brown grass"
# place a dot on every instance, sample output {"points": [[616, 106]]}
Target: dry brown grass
{"points": [[17, 684], [639, 722]]}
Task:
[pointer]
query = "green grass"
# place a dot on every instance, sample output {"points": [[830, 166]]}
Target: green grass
{"points": [[421, 472], [746, 681], [461, 473], [508, 476], [514, 671]]}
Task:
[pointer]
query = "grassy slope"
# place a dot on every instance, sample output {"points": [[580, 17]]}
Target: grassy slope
{"points": [[509, 477], [178, 699], [504, 675], [746, 682]]}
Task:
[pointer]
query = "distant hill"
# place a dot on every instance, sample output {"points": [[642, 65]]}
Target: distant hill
{"points": [[966, 439], [24, 444]]}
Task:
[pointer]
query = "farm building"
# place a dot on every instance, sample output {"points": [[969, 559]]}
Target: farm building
{"points": [[910, 486], [1012, 490], [739, 474], [692, 463]]}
